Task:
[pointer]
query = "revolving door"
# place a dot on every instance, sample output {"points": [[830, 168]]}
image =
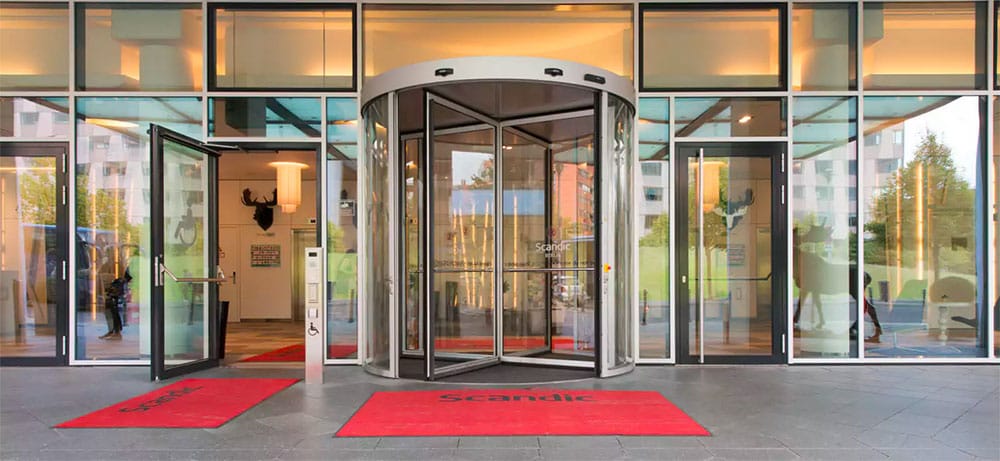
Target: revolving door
{"points": [[498, 218]]}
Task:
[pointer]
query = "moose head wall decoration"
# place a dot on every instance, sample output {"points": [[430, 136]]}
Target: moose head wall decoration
{"points": [[263, 212]]}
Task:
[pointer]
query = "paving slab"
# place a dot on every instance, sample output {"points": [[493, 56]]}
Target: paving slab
{"points": [[774, 412]]}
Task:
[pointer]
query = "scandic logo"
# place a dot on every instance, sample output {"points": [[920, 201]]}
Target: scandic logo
{"points": [[169, 396], [516, 398]]}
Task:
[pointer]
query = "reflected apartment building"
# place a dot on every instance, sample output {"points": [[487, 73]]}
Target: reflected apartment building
{"points": [[814, 182]]}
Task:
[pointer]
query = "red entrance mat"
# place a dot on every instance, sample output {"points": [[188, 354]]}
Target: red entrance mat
{"points": [[297, 353], [190, 403], [518, 412]]}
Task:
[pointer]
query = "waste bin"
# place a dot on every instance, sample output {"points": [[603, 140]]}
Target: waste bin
{"points": [[223, 321]]}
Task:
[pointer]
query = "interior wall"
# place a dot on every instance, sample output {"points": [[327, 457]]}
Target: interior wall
{"points": [[264, 292]]}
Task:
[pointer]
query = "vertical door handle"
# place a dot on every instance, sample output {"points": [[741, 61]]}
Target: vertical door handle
{"points": [[701, 255]]}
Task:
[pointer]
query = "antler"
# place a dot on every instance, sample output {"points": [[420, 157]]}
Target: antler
{"points": [[248, 199], [274, 199]]}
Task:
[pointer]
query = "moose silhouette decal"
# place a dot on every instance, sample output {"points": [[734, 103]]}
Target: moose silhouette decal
{"points": [[263, 212], [732, 212]]}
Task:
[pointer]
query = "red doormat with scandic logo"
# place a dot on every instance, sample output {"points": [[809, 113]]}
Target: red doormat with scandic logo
{"points": [[500, 412], [190, 403]]}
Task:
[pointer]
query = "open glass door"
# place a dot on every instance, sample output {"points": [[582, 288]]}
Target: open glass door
{"points": [[461, 206], [184, 231]]}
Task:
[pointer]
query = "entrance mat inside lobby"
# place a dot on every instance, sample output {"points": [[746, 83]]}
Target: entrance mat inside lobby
{"points": [[190, 403], [297, 353], [502, 412]]}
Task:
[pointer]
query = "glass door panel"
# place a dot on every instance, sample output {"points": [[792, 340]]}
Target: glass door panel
{"points": [[33, 248], [377, 356], [185, 242], [549, 249], [462, 215], [413, 247], [526, 287], [731, 288], [618, 327]]}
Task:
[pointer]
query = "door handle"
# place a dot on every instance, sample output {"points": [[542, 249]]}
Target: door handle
{"points": [[220, 276]]}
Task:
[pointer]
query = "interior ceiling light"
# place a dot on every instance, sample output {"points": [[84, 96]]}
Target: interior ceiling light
{"points": [[110, 123], [289, 184], [745, 118]]}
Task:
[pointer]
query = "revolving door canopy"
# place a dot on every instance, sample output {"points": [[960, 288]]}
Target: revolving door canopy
{"points": [[498, 226]]}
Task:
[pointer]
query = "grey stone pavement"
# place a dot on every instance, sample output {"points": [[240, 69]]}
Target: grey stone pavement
{"points": [[932, 412]]}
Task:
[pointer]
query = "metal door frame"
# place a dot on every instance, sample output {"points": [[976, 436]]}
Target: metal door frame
{"points": [[776, 152], [62, 236], [158, 368]]}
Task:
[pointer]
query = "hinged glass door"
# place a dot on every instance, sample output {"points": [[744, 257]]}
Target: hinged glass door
{"points": [[730, 215], [185, 269], [461, 245]]}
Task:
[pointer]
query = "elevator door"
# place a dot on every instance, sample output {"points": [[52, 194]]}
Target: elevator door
{"points": [[730, 202]]}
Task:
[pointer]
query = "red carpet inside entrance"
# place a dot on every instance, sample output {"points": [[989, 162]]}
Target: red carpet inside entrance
{"points": [[297, 353], [190, 403], [501, 412]]}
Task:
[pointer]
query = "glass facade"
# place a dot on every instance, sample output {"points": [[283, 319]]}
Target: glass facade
{"points": [[34, 118], [885, 108], [652, 227], [924, 46], [139, 47], [281, 118], [721, 47], [113, 206], [824, 46], [34, 46], [397, 35], [342, 228], [269, 48], [824, 184], [922, 236], [729, 117]]}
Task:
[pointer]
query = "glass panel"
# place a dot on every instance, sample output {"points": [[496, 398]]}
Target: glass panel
{"points": [[924, 46], [599, 35], [113, 213], [549, 195], [728, 117], [825, 230], [342, 228], [922, 251], [653, 228], [566, 330], [29, 257], [378, 315], [737, 255], [292, 48], [34, 118], [463, 310], [996, 229], [140, 47], [283, 118], [620, 137], [36, 46], [185, 253], [824, 46], [414, 201], [462, 235], [719, 48]]}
